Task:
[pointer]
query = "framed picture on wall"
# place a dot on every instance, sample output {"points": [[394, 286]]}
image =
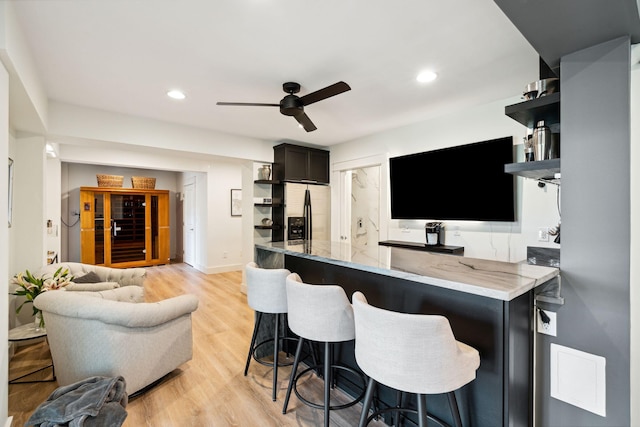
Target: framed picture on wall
{"points": [[236, 202], [10, 190]]}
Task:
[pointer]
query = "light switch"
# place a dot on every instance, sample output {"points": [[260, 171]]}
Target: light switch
{"points": [[578, 378]]}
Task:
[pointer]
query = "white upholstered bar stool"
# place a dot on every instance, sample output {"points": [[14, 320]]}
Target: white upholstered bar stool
{"points": [[267, 293], [412, 353], [320, 313]]}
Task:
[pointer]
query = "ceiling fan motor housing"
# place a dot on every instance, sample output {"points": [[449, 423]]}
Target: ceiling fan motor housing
{"points": [[291, 105]]}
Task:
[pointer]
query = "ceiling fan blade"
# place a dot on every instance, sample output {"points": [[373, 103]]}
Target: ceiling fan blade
{"points": [[327, 92], [251, 104], [306, 122]]}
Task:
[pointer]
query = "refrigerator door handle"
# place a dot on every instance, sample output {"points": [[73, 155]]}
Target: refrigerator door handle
{"points": [[308, 233]]}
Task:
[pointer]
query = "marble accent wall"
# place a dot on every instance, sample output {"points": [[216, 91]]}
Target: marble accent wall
{"points": [[365, 207]]}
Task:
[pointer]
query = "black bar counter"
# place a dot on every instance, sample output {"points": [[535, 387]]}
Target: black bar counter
{"points": [[488, 303]]}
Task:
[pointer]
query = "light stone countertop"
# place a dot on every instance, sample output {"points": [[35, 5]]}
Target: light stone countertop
{"points": [[493, 279]]}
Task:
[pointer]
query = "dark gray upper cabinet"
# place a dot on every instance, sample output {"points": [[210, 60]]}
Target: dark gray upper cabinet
{"points": [[295, 163]]}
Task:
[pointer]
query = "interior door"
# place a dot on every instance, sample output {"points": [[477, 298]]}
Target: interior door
{"points": [[99, 228], [128, 228], [345, 206], [189, 205]]}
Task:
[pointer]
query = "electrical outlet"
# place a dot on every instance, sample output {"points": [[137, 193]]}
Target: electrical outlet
{"points": [[543, 235], [224, 254], [550, 328]]}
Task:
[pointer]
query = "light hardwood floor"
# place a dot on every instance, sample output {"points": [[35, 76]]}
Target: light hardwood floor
{"points": [[211, 389]]}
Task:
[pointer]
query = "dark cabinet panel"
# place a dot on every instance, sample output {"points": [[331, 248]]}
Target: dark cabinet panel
{"points": [[295, 164], [319, 166]]}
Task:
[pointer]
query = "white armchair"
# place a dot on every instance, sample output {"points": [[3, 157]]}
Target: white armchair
{"points": [[111, 333]]}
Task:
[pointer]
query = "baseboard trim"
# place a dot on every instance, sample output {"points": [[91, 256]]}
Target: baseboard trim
{"points": [[223, 268], [8, 422]]}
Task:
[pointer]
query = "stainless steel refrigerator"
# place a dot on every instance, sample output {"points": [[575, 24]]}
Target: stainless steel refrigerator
{"points": [[313, 203]]}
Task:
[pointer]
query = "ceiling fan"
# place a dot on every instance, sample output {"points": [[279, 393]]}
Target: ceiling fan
{"points": [[293, 105]]}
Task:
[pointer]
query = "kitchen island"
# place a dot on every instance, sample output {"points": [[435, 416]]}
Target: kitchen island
{"points": [[488, 303]]}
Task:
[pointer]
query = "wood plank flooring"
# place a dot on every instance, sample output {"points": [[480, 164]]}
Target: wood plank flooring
{"points": [[211, 389]]}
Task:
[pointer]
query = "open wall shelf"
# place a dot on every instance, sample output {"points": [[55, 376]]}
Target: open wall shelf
{"points": [[529, 112], [542, 170], [277, 209]]}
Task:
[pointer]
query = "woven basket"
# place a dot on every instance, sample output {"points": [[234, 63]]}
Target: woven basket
{"points": [[109, 180], [142, 182]]}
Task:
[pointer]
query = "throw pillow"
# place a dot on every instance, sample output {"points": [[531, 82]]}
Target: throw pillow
{"points": [[90, 277]]}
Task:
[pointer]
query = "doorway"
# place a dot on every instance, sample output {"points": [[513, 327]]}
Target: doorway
{"points": [[189, 230], [362, 202]]}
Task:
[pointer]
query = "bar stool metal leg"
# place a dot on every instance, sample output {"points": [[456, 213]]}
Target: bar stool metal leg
{"points": [[368, 397], [453, 403], [276, 351], [294, 368], [422, 410], [398, 419], [327, 382], [253, 342]]}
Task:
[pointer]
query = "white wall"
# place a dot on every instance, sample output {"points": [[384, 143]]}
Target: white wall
{"points": [[490, 240], [5, 274], [28, 101], [53, 205], [225, 233], [27, 232]]}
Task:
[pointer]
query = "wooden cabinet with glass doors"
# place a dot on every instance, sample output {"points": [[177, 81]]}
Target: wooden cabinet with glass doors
{"points": [[124, 227]]}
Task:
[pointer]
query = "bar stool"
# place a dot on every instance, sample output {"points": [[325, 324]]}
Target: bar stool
{"points": [[412, 353], [267, 293], [320, 313]]}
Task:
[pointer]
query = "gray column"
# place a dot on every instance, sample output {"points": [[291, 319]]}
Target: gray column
{"points": [[595, 133]]}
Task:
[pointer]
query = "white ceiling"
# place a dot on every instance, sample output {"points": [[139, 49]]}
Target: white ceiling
{"points": [[124, 55]]}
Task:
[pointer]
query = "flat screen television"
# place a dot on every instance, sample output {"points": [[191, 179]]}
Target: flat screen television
{"points": [[465, 182]]}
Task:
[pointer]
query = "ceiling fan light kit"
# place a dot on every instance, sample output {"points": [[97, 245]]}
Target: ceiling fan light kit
{"points": [[293, 105]]}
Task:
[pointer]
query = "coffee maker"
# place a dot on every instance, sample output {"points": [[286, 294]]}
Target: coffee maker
{"points": [[434, 233]]}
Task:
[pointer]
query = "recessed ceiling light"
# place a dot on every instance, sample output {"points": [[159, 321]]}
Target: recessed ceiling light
{"points": [[176, 94], [426, 76]]}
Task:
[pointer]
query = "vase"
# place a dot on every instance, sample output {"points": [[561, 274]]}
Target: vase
{"points": [[264, 173], [39, 321]]}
